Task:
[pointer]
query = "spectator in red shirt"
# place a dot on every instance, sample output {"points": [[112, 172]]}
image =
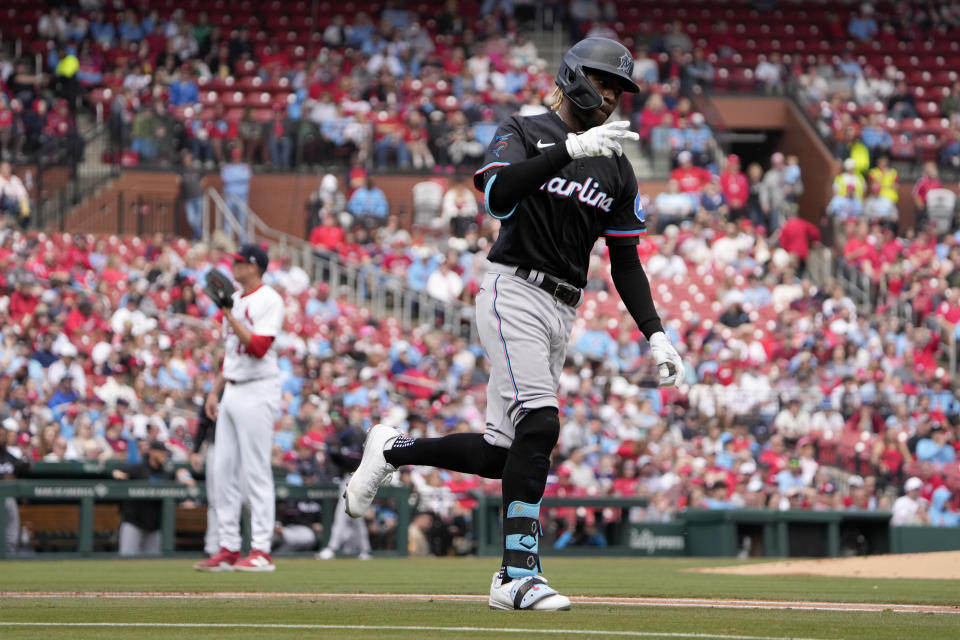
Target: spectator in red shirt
{"points": [[397, 259], [625, 484], [948, 311], [796, 236], [866, 419], [415, 139], [928, 181], [352, 251], [24, 300], [690, 178], [59, 122], [389, 132], [775, 456], [735, 187], [328, 235], [651, 116], [860, 251], [80, 320], [220, 131]]}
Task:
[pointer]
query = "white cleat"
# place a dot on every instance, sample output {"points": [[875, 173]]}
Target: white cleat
{"points": [[326, 554], [529, 594], [374, 470]]}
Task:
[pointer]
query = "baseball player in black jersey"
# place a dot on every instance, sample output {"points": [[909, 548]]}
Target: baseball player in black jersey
{"points": [[557, 182]]}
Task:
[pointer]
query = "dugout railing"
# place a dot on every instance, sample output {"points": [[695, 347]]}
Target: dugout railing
{"points": [[366, 285], [695, 532], [91, 493]]}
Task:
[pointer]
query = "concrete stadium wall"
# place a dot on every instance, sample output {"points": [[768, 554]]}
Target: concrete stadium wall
{"points": [[280, 199], [798, 138]]}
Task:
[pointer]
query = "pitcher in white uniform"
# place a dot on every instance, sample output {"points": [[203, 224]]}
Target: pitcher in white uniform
{"points": [[245, 415]]}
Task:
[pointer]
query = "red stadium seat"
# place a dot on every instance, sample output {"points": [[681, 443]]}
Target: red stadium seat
{"points": [[262, 100]]}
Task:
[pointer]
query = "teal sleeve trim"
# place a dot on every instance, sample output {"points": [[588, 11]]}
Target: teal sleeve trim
{"points": [[486, 201]]}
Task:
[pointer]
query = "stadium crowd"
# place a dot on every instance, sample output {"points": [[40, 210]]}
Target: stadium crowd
{"points": [[793, 399], [423, 87], [380, 89]]}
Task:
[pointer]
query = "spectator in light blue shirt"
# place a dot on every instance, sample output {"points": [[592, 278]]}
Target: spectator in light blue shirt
{"points": [[673, 206], [484, 130], [361, 31], [875, 137], [332, 129], [756, 293], [879, 207], [129, 29], [515, 79], [942, 399], [236, 189], [791, 477], [596, 343], [849, 67], [101, 30], [940, 513], [845, 206], [717, 496], [935, 448], [862, 26], [183, 90], [323, 305], [698, 136], [366, 392], [368, 204], [172, 378], [398, 17], [420, 270]]}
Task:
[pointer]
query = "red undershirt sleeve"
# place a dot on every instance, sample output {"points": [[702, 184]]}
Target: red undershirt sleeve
{"points": [[259, 345]]}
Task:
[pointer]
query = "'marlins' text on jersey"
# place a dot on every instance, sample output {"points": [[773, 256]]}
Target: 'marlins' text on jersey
{"points": [[555, 226], [587, 192]]}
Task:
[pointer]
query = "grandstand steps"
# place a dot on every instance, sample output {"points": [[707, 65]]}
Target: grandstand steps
{"points": [[551, 44], [641, 163]]}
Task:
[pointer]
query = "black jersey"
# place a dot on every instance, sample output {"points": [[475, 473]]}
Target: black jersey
{"points": [[554, 229]]}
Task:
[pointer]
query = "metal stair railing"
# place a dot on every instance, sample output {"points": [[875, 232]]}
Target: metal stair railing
{"points": [[365, 285], [86, 175]]}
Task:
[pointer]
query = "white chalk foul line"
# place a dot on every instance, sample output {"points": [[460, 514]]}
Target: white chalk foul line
{"points": [[365, 627], [719, 603]]}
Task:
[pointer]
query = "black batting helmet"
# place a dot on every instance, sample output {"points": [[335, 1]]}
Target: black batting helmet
{"points": [[596, 54]]}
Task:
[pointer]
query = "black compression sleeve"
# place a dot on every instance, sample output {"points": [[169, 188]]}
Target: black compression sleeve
{"points": [[634, 288], [201, 435], [519, 180]]}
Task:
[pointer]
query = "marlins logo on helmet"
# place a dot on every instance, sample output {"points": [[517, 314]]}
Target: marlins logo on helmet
{"points": [[594, 54]]}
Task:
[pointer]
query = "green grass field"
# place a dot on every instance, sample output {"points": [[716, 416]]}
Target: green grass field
{"points": [[304, 616]]}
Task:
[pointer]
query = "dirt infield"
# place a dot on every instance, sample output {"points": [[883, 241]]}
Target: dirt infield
{"points": [[943, 566], [715, 603]]}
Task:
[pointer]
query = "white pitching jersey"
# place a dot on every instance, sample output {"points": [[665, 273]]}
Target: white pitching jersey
{"points": [[261, 311]]}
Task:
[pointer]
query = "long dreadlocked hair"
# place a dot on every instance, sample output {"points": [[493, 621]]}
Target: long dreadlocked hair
{"points": [[556, 99]]}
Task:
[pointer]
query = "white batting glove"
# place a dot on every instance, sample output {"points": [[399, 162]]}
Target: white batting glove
{"points": [[600, 141], [668, 360]]}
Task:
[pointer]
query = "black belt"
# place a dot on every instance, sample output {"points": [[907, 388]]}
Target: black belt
{"points": [[562, 291], [236, 382]]}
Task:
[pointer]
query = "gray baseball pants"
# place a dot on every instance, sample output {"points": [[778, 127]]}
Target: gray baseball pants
{"points": [[524, 331], [11, 535], [135, 541]]}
